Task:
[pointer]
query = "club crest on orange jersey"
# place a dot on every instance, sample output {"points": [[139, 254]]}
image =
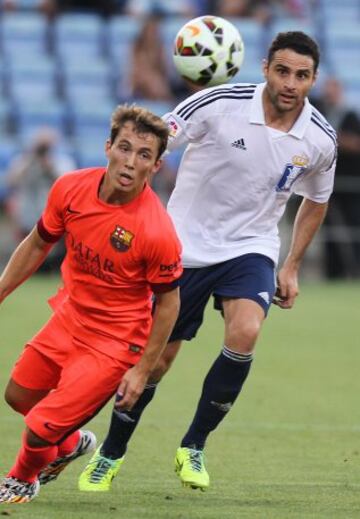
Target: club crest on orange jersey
{"points": [[121, 239]]}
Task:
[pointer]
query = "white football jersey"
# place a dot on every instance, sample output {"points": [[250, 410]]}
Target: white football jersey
{"points": [[236, 174]]}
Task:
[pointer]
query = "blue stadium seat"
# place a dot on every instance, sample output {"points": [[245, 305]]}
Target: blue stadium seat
{"points": [[79, 34], [9, 148], [6, 111], [284, 24], [120, 57], [170, 27], [29, 5], [350, 79], [4, 72], [32, 89], [343, 48], [349, 75], [87, 93], [84, 74], [250, 30], [352, 97], [33, 114], [90, 149], [343, 34], [251, 68], [165, 7], [347, 11], [157, 107], [121, 32], [343, 38], [32, 75], [33, 64], [250, 71], [345, 3], [122, 29], [23, 32], [88, 118]]}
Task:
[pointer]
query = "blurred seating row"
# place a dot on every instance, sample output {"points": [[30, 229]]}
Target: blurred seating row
{"points": [[65, 75], [71, 72], [73, 39]]}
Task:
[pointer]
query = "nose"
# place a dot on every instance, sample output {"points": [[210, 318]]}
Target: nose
{"points": [[130, 159], [290, 82]]}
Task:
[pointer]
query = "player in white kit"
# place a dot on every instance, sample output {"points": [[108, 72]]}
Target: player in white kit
{"points": [[249, 148]]}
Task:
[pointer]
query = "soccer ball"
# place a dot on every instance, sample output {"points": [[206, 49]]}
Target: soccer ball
{"points": [[208, 50]]}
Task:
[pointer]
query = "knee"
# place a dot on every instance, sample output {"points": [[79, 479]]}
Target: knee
{"points": [[34, 441], [10, 399], [22, 399], [14, 402], [242, 337]]}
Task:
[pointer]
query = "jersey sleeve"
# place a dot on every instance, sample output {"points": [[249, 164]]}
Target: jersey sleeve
{"points": [[164, 266], [318, 184], [51, 223], [188, 121]]}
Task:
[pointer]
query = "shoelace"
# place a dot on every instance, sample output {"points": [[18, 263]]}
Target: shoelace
{"points": [[102, 466], [196, 460]]}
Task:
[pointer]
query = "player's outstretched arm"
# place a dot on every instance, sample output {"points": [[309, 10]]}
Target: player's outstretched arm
{"points": [[308, 219], [134, 380], [25, 260]]}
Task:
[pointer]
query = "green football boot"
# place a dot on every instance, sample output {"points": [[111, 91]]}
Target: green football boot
{"points": [[99, 473], [189, 466]]}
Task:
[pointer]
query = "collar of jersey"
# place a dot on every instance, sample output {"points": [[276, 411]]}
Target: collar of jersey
{"points": [[257, 114], [111, 207]]}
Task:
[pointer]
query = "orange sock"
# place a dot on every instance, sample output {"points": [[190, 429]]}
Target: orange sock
{"points": [[69, 444], [31, 460]]}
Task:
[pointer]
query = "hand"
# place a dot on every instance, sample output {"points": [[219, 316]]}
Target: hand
{"points": [[287, 289], [131, 387]]}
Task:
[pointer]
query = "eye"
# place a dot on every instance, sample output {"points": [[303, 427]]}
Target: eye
{"points": [[303, 75]]}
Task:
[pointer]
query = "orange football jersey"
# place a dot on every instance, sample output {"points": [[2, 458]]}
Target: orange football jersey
{"points": [[117, 256]]}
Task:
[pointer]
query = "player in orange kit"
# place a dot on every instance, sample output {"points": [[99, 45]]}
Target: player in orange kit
{"points": [[101, 339]]}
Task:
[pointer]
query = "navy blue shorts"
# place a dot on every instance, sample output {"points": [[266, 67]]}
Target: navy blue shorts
{"points": [[251, 276]]}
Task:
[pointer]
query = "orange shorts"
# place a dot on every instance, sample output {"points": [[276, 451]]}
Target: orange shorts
{"points": [[79, 378]]}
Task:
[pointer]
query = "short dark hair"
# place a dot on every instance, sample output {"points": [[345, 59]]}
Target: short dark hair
{"points": [[144, 122], [297, 41]]}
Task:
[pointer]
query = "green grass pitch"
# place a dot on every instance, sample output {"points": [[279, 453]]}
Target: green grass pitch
{"points": [[290, 448]]}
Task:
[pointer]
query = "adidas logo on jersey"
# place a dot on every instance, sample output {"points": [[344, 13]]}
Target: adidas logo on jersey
{"points": [[239, 143], [265, 296]]}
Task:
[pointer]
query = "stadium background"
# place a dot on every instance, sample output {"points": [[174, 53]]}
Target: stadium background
{"points": [[291, 446], [66, 65]]}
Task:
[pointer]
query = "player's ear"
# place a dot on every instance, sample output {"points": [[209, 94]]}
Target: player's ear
{"points": [[157, 166], [315, 77], [265, 67], [107, 147]]}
